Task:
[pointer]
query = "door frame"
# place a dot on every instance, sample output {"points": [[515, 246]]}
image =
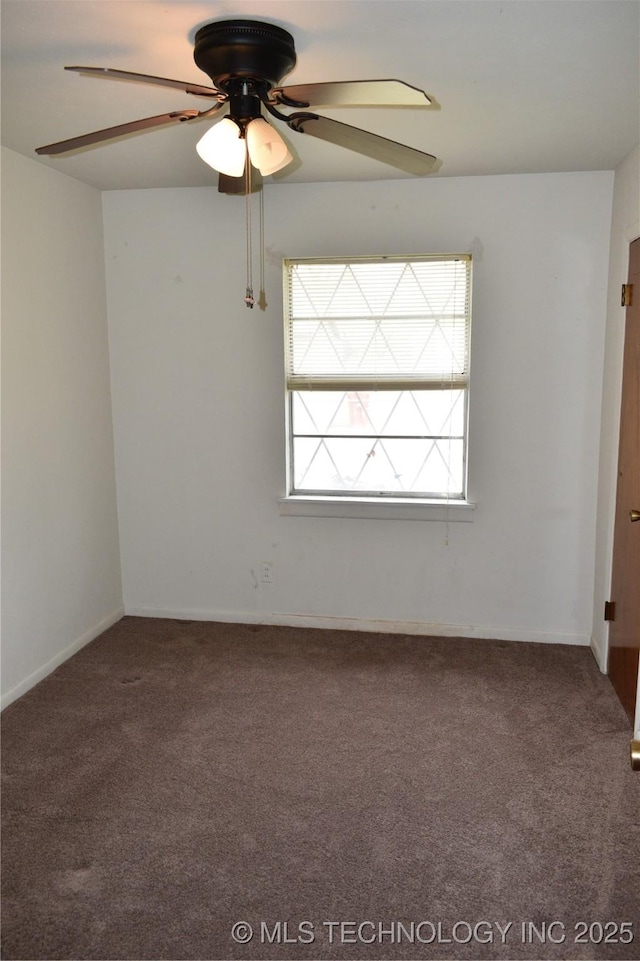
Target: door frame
{"points": [[631, 235]]}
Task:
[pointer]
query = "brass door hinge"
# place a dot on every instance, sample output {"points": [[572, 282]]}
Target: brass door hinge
{"points": [[609, 610], [627, 295]]}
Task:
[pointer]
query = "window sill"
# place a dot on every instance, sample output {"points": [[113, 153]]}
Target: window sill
{"points": [[377, 509]]}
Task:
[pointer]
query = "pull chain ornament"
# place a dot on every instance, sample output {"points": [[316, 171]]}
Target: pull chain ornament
{"points": [[248, 297]]}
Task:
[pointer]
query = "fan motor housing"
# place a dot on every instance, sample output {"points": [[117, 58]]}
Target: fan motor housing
{"points": [[244, 49]]}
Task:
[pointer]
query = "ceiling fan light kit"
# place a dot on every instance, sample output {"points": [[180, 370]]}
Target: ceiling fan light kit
{"points": [[223, 147], [245, 61]]}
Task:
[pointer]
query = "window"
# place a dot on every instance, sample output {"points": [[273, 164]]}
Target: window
{"points": [[377, 372]]}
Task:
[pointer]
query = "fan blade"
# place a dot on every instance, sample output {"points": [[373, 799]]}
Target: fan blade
{"points": [[193, 88], [352, 93], [362, 141], [110, 133], [237, 185]]}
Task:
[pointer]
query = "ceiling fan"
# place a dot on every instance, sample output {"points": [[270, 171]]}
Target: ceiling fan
{"points": [[246, 60]]}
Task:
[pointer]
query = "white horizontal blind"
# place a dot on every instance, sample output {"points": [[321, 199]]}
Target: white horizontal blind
{"points": [[385, 323]]}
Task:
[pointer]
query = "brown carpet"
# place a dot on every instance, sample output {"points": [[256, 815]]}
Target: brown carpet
{"points": [[176, 777]]}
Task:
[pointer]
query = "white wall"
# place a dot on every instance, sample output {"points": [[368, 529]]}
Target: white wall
{"points": [[61, 571], [625, 227], [197, 386]]}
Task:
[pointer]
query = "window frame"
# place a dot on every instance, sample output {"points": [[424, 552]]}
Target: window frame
{"points": [[396, 504]]}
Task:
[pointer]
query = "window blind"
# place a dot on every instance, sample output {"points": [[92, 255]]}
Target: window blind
{"points": [[385, 323]]}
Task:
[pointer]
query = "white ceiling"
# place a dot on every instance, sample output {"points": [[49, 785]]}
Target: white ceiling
{"points": [[523, 86]]}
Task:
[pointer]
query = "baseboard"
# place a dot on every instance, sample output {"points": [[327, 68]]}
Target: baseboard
{"points": [[364, 624], [60, 658]]}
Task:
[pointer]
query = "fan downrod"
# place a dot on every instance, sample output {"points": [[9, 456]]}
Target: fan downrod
{"points": [[244, 49]]}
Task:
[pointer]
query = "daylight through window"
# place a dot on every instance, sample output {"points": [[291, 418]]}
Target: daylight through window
{"points": [[377, 373]]}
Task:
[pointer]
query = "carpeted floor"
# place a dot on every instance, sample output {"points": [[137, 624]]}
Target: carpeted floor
{"points": [[386, 796]]}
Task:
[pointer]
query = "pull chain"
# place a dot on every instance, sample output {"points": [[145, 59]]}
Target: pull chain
{"points": [[261, 209], [248, 299]]}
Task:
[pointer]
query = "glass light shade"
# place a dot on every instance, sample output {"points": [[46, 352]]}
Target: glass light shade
{"points": [[223, 148], [267, 149]]}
